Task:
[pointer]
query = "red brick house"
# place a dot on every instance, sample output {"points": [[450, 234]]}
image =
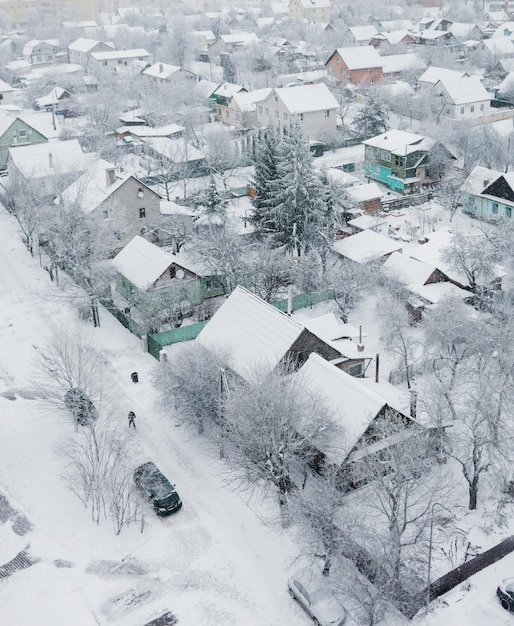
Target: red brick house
{"points": [[357, 65]]}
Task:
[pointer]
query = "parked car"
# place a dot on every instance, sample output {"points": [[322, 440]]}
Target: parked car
{"points": [[317, 600], [79, 404], [505, 592], [154, 486]]}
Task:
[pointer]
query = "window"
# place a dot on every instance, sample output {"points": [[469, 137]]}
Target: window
{"points": [[472, 108], [355, 369], [301, 117], [22, 133], [117, 235], [327, 113], [277, 114], [481, 107], [285, 116], [495, 208], [106, 214], [227, 114], [508, 211], [462, 110], [120, 62], [142, 213], [384, 155], [267, 111], [260, 109], [105, 62]]}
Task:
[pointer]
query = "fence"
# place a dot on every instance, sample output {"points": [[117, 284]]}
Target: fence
{"points": [[303, 300], [129, 323], [406, 201], [158, 341]]}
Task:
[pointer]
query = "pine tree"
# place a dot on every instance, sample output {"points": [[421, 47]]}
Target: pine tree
{"points": [[229, 70], [214, 204], [299, 200], [266, 175], [373, 118]]}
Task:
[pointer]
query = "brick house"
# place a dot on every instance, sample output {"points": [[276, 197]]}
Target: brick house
{"points": [[358, 65]]}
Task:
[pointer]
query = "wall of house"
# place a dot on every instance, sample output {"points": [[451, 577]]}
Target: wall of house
{"points": [[18, 134], [486, 208], [122, 221], [306, 343], [472, 110], [82, 58]]}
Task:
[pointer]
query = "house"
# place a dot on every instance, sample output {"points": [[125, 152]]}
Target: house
{"points": [[253, 333], [463, 99], [311, 10], [358, 65], [6, 93], [80, 49], [173, 158], [313, 105], [137, 132], [367, 197], [357, 412], [488, 194], [366, 246], [123, 204], [433, 74], [405, 161], [57, 101], [47, 162], [163, 73], [145, 269], [226, 44], [16, 131], [388, 41], [38, 51], [240, 109], [426, 284], [175, 225], [222, 95], [497, 49], [398, 65], [113, 59], [440, 38], [363, 35]]}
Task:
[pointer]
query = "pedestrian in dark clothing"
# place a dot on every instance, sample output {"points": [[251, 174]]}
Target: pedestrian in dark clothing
{"points": [[132, 419]]}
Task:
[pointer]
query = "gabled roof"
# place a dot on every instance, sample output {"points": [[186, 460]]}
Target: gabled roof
{"points": [[433, 74], [315, 4], [306, 98], [366, 246], [164, 71], [85, 45], [464, 90], [53, 97], [48, 159], [360, 57], [480, 178], [352, 406], [253, 332], [363, 33], [176, 150], [92, 188], [246, 100], [364, 192], [227, 90], [498, 46], [393, 139], [142, 262], [402, 62], [120, 54], [393, 37]]}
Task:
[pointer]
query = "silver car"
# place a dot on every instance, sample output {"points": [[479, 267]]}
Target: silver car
{"points": [[316, 600]]}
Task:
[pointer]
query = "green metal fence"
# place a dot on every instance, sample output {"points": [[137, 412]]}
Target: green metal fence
{"points": [[121, 317], [304, 300], [158, 341]]}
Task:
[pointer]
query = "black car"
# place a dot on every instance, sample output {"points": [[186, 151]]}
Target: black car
{"points": [[505, 592], [156, 487], [80, 406]]}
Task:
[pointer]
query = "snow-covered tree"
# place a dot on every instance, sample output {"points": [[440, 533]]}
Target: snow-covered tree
{"points": [[373, 118], [265, 179]]}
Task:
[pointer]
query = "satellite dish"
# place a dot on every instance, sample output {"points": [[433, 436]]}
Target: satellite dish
{"points": [[180, 274]]}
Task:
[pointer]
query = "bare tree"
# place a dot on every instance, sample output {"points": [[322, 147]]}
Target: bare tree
{"points": [[271, 425]]}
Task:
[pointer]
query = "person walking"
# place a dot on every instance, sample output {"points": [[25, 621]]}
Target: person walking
{"points": [[132, 419]]}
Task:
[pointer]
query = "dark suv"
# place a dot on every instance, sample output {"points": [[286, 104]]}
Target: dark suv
{"points": [[80, 406], [157, 488]]}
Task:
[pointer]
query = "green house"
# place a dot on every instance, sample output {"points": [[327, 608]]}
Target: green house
{"points": [[145, 269], [14, 132], [488, 194]]}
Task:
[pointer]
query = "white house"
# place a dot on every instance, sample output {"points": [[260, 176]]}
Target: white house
{"points": [[117, 58], [463, 98], [161, 73], [80, 49], [38, 51]]}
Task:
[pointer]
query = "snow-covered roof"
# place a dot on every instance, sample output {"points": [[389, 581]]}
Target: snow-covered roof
{"points": [[366, 246], [246, 100], [167, 207], [4, 87], [148, 131], [464, 90], [94, 186], [306, 98], [164, 70], [504, 30], [479, 178], [48, 159], [499, 46], [85, 45], [433, 253], [134, 53], [462, 30], [433, 74], [239, 38], [393, 37], [227, 90], [393, 63], [363, 222], [52, 98], [318, 4], [142, 262], [253, 332], [352, 406], [176, 150], [360, 57], [362, 193], [363, 33], [393, 139]]}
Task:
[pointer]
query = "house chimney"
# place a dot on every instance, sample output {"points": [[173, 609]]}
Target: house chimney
{"points": [[50, 159], [161, 68], [377, 366], [360, 345], [486, 182], [413, 403], [110, 176]]}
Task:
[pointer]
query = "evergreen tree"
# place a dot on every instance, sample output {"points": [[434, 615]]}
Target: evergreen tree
{"points": [[214, 204], [264, 182], [373, 118], [229, 70], [297, 190]]}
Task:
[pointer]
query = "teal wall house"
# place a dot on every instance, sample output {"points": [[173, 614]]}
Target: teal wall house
{"points": [[488, 194], [405, 161], [14, 131], [147, 271]]}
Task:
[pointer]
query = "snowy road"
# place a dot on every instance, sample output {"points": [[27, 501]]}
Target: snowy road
{"points": [[218, 561]]}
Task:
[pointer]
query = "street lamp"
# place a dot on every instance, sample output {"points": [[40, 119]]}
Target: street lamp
{"points": [[430, 547]]}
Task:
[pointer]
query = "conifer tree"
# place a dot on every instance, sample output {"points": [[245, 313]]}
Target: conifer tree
{"points": [[373, 118], [264, 182]]}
